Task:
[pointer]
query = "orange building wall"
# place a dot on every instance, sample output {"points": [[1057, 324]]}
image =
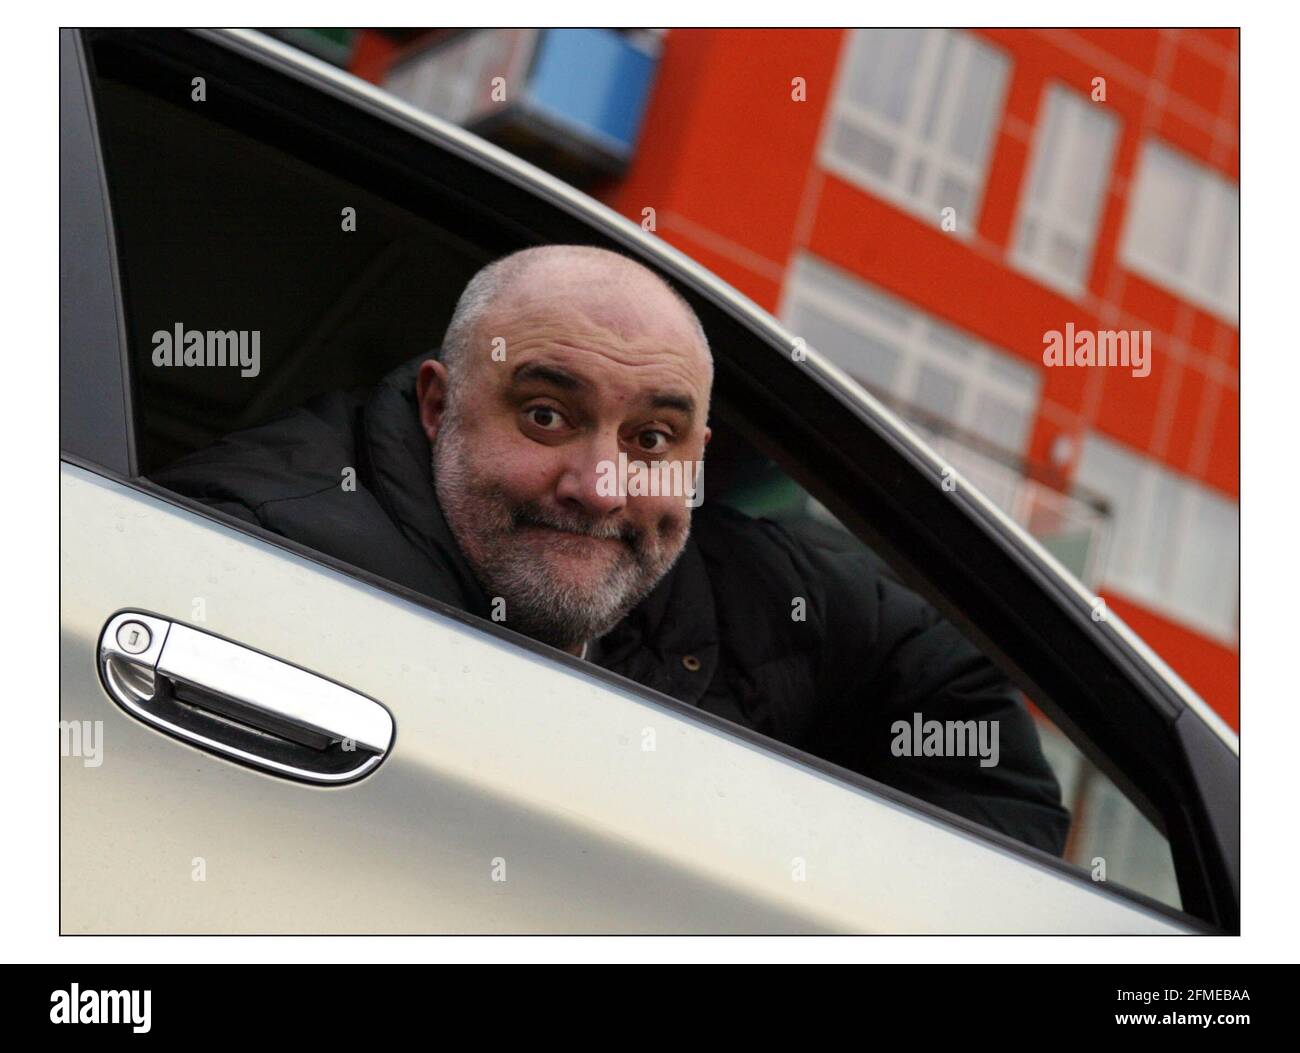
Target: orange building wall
{"points": [[729, 163]]}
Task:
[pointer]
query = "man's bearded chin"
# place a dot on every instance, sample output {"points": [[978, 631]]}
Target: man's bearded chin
{"points": [[539, 602]]}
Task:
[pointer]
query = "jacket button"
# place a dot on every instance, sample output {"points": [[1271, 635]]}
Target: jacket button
{"points": [[691, 663]]}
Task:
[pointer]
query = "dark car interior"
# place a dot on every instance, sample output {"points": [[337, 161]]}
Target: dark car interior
{"points": [[361, 301]]}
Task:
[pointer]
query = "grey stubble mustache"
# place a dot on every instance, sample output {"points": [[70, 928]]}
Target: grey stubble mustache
{"points": [[625, 532]]}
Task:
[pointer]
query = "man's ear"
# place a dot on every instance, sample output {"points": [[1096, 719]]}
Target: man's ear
{"points": [[708, 434], [431, 395]]}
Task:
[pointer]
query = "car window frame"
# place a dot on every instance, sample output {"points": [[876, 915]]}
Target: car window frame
{"points": [[544, 191], [96, 409]]}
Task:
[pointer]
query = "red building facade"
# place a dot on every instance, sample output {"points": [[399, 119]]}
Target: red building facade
{"points": [[1090, 178], [735, 167]]}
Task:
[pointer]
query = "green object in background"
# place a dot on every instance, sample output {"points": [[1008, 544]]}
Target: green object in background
{"points": [[332, 45], [1071, 550], [776, 497]]}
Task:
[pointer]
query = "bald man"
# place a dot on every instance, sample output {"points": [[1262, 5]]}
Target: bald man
{"points": [[598, 357], [502, 477]]}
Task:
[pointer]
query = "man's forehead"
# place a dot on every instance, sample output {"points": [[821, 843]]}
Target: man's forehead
{"points": [[639, 326], [627, 303]]}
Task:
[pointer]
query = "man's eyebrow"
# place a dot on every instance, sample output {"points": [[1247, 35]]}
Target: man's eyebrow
{"points": [[673, 400], [560, 378], [548, 375]]}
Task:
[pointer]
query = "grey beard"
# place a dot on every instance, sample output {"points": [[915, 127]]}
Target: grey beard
{"points": [[556, 613]]}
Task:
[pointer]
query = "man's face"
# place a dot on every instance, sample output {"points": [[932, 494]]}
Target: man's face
{"points": [[594, 365]]}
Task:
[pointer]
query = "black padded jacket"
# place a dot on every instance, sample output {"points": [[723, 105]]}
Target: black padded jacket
{"points": [[718, 632]]}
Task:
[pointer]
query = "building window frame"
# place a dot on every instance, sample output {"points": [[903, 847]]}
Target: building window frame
{"points": [[920, 141], [1045, 212], [918, 337], [1212, 226], [1160, 519]]}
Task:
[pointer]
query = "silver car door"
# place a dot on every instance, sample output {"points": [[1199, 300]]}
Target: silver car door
{"points": [[521, 793]]}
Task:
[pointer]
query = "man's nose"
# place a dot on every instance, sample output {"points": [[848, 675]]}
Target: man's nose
{"points": [[591, 479]]}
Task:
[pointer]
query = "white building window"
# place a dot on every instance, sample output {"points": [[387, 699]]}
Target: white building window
{"points": [[913, 118], [1181, 230], [925, 366], [1074, 145], [1174, 545], [453, 79]]}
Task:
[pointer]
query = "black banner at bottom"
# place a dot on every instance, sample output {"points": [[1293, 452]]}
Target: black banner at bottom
{"points": [[337, 1002]]}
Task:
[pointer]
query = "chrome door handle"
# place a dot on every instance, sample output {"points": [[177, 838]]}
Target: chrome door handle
{"points": [[240, 703]]}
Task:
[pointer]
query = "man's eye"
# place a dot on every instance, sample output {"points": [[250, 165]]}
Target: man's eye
{"points": [[545, 417], [653, 441]]}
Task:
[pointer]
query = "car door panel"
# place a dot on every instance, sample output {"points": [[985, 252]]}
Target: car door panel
{"points": [[519, 796]]}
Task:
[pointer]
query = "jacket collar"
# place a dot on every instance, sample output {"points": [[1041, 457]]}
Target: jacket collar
{"points": [[670, 640], [399, 469]]}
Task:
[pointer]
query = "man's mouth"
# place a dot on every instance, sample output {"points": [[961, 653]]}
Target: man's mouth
{"points": [[558, 529], [625, 537], [564, 534]]}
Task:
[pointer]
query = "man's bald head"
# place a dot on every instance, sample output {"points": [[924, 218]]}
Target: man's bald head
{"points": [[606, 375], [618, 291]]}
